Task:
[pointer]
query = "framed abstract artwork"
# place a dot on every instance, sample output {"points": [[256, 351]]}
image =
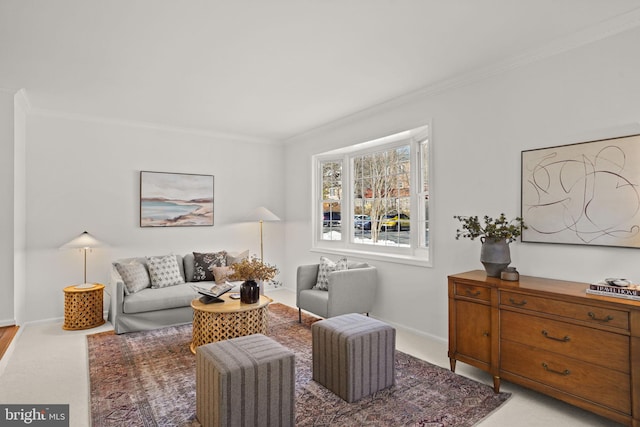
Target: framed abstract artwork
{"points": [[175, 199], [586, 193]]}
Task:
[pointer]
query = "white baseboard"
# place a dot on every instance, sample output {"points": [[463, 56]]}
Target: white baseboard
{"points": [[7, 322]]}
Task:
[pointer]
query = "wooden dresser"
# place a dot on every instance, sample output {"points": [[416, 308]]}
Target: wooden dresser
{"points": [[552, 337]]}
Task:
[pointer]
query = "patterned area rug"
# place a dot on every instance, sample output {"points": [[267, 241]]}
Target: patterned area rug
{"points": [[148, 379]]}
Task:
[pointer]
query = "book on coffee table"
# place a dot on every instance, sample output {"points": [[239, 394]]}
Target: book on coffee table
{"points": [[215, 290]]}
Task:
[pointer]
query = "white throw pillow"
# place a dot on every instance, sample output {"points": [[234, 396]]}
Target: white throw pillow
{"points": [[233, 258], [327, 266], [134, 276], [164, 271]]}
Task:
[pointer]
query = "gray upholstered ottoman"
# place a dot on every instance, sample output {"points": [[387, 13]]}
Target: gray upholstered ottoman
{"points": [[246, 381], [353, 355]]}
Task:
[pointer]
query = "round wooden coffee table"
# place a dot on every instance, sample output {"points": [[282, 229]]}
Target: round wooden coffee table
{"points": [[228, 319]]}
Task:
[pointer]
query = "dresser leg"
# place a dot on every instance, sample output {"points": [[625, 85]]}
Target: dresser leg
{"points": [[452, 363], [496, 384]]}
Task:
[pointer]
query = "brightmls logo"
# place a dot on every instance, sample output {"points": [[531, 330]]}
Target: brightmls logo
{"points": [[34, 415]]}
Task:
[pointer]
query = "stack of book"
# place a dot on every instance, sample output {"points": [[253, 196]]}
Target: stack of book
{"points": [[618, 288]]}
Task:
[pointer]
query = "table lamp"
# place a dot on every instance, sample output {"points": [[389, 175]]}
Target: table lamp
{"points": [[262, 214], [84, 242]]}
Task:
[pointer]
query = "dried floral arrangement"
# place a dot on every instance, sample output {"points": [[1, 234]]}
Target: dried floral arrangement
{"points": [[253, 269]]}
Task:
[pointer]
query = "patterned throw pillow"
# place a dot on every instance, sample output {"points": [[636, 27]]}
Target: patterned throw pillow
{"points": [[135, 277], [164, 271], [203, 262], [327, 266]]}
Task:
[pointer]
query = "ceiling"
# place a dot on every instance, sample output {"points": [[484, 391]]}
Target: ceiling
{"points": [[269, 69]]}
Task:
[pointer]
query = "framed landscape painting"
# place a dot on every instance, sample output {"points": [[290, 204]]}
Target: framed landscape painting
{"points": [[586, 193], [175, 199]]}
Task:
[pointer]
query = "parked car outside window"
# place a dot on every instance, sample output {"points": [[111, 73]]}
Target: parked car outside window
{"points": [[396, 222], [331, 219], [362, 222]]}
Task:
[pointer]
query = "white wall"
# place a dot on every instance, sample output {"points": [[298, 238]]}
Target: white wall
{"points": [[479, 131], [20, 207], [84, 175], [7, 315]]}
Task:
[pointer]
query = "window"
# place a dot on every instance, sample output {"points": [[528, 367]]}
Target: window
{"points": [[374, 198]]}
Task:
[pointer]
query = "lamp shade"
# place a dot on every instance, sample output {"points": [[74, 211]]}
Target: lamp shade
{"points": [[262, 214], [83, 241]]}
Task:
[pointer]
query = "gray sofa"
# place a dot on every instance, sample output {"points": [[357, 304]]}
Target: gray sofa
{"points": [[151, 308]]}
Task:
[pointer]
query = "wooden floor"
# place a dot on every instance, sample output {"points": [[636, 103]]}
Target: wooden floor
{"points": [[6, 335]]}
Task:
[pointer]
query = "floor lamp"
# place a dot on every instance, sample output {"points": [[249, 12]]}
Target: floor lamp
{"points": [[84, 242], [262, 214]]}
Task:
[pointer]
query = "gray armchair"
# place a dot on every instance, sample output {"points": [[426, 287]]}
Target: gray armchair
{"points": [[350, 291]]}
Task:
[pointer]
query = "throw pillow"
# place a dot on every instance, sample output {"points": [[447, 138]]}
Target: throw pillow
{"points": [[327, 266], [134, 276], [203, 262], [234, 259], [221, 274], [164, 271]]}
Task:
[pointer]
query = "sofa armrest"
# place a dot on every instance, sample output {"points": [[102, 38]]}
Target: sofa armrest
{"points": [[116, 291], [306, 278], [352, 291]]}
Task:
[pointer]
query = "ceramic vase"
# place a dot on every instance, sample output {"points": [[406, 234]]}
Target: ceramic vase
{"points": [[494, 255], [249, 292]]}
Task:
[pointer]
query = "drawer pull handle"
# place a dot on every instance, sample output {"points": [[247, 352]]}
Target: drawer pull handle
{"points": [[603, 319], [514, 302], [546, 334], [473, 294], [485, 334], [563, 373]]}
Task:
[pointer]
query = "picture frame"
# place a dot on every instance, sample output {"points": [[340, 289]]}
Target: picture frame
{"points": [[586, 193], [176, 199]]}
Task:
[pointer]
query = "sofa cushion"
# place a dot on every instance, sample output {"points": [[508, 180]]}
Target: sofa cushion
{"points": [[134, 275], [327, 266], [164, 271], [203, 262], [160, 299]]}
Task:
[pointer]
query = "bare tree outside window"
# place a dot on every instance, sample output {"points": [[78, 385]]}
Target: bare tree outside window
{"points": [[382, 187]]}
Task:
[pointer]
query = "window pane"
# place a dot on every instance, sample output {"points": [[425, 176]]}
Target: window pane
{"points": [[424, 178], [384, 197], [331, 200]]}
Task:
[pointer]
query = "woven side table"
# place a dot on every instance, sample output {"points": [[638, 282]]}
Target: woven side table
{"points": [[83, 307], [229, 319]]}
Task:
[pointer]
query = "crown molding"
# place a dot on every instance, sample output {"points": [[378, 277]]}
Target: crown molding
{"points": [[592, 34], [150, 125]]}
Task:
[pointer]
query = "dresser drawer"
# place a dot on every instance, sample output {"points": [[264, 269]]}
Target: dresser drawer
{"points": [[595, 383], [594, 315], [580, 342], [471, 291]]}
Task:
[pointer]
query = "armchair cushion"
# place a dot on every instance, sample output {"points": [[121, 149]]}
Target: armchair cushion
{"points": [[326, 267]]}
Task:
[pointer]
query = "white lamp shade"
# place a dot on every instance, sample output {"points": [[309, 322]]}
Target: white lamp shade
{"points": [[262, 214], [83, 241]]}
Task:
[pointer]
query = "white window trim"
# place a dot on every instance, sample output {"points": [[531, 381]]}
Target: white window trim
{"points": [[414, 255]]}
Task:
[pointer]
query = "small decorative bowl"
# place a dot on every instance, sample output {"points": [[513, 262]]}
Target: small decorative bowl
{"points": [[510, 274]]}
